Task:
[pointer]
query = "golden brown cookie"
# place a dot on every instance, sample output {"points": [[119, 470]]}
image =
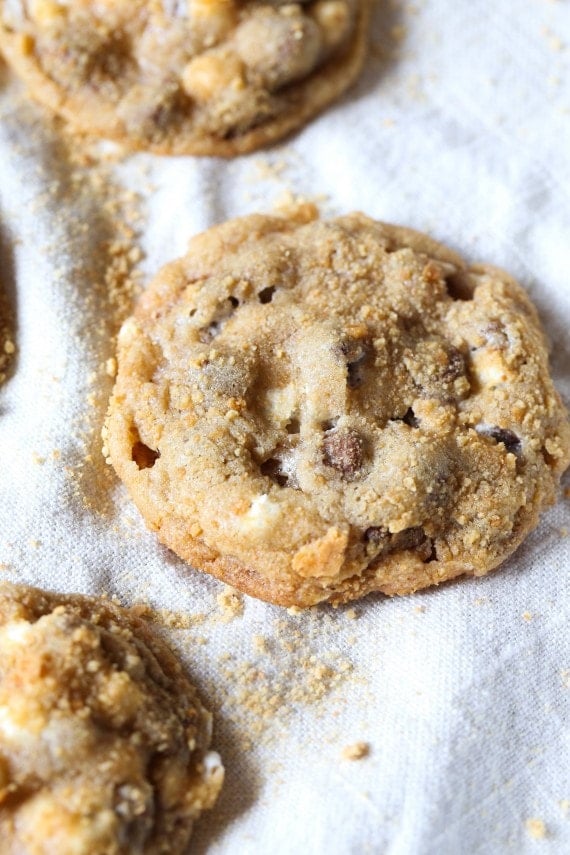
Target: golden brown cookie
{"points": [[103, 741], [315, 410], [210, 77]]}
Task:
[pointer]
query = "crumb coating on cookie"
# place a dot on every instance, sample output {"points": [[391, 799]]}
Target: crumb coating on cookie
{"points": [[103, 741], [186, 76], [315, 410]]}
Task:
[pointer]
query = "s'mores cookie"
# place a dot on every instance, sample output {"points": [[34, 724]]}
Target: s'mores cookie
{"points": [[103, 739], [209, 77], [315, 410]]}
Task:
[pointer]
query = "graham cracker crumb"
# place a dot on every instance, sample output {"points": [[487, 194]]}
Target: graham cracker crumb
{"points": [[527, 616], [285, 674], [260, 644], [356, 751], [231, 603], [554, 41], [165, 617], [536, 828], [267, 170], [301, 208], [175, 620], [294, 610], [97, 221]]}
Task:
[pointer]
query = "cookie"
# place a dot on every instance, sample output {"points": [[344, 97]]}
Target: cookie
{"points": [[103, 741], [207, 77], [315, 410]]}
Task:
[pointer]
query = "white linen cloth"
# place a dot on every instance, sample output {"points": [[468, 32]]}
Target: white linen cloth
{"points": [[459, 126]]}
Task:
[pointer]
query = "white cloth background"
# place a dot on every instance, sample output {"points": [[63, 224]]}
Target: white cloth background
{"points": [[460, 126]]}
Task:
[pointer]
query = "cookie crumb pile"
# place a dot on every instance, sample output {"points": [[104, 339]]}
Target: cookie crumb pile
{"points": [[536, 828], [103, 740], [315, 410], [198, 77], [356, 751]]}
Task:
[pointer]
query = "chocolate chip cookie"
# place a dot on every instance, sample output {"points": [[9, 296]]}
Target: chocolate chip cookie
{"points": [[103, 741], [315, 410], [210, 77]]}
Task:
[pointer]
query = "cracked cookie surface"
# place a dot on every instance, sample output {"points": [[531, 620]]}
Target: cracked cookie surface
{"points": [[213, 77], [103, 740], [315, 410]]}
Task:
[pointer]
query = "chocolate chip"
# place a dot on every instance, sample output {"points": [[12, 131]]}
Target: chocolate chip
{"points": [[548, 458], [281, 468], [356, 352], [509, 439], [266, 294], [410, 418], [377, 540], [170, 110], [111, 59], [354, 349], [455, 364], [409, 538], [209, 333], [272, 468], [355, 375], [221, 315], [460, 286], [380, 542], [343, 450], [415, 538], [143, 456], [377, 534], [432, 553]]}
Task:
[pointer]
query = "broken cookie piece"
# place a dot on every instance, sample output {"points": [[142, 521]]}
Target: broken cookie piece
{"points": [[103, 739], [332, 408], [205, 77]]}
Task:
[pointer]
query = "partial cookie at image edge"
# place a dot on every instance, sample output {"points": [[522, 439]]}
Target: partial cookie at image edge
{"points": [[104, 742], [293, 105]]}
